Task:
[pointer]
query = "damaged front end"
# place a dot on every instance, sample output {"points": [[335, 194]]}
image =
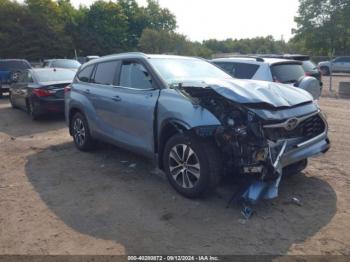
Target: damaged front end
{"points": [[255, 147]]}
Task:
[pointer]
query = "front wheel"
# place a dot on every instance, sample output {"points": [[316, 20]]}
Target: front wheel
{"points": [[294, 169], [192, 165], [325, 70], [81, 132]]}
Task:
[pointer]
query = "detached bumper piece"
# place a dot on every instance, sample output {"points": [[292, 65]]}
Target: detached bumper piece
{"points": [[287, 152]]}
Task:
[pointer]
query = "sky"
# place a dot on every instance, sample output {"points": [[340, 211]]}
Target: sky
{"points": [[221, 19]]}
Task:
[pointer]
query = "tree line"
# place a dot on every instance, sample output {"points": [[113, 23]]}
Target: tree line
{"points": [[38, 29]]}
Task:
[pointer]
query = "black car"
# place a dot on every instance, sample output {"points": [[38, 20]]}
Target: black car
{"points": [[40, 91], [9, 71]]}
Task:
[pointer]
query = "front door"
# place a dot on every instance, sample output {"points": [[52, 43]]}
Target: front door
{"points": [[136, 99]]}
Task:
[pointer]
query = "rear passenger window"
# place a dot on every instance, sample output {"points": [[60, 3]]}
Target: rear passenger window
{"points": [[244, 71], [85, 74], [239, 70], [135, 75], [227, 67], [105, 73]]}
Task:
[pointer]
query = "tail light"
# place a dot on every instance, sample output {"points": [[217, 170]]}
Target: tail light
{"points": [[67, 89], [41, 92]]}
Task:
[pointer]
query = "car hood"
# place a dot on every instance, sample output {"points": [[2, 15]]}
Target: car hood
{"points": [[253, 92], [323, 63]]}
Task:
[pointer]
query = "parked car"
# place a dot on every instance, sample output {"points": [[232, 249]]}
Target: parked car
{"points": [[40, 91], [339, 64], [195, 121], [308, 65], [62, 63], [88, 58], [278, 70], [9, 70]]}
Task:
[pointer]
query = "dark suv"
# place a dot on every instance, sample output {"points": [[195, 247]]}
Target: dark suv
{"points": [[9, 71], [196, 122]]}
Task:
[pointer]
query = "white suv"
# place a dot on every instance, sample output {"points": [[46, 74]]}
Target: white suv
{"points": [[270, 69]]}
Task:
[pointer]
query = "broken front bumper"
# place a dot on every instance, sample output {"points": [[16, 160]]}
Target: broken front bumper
{"points": [[313, 147], [288, 152]]}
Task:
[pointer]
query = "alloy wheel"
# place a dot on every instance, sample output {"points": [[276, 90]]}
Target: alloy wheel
{"points": [[184, 166], [79, 131]]}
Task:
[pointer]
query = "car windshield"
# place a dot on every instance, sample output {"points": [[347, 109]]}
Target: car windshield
{"points": [[287, 73], [66, 64], [54, 75], [309, 66], [13, 65], [177, 69]]}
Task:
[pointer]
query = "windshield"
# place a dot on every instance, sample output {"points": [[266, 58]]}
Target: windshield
{"points": [[287, 73], [175, 69], [66, 64], [13, 65], [55, 75]]}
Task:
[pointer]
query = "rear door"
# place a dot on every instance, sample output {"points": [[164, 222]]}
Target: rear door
{"points": [[102, 92], [137, 95]]}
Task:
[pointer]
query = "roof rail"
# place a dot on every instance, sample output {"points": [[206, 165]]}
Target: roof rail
{"points": [[127, 53], [257, 58]]}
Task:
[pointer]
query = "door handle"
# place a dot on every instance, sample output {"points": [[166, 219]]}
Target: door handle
{"points": [[116, 98], [87, 91]]}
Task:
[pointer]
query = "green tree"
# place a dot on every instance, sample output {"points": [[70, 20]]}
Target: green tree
{"points": [[28, 33], [323, 26], [162, 41], [159, 18]]}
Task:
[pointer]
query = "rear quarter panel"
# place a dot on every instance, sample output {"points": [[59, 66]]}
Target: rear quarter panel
{"points": [[75, 99]]}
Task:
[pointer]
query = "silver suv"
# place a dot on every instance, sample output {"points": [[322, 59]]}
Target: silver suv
{"points": [[339, 64], [279, 70], [195, 121]]}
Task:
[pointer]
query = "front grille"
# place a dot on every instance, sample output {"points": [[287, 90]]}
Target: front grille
{"points": [[309, 128]]}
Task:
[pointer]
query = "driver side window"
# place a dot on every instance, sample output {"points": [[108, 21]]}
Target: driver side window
{"points": [[135, 75]]}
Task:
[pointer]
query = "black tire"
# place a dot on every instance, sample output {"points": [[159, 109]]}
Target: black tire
{"points": [[325, 70], [81, 132], [294, 169], [11, 101], [31, 111], [205, 153], [1, 95]]}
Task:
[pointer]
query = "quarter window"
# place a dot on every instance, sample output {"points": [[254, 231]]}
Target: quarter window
{"points": [[135, 75], [85, 74], [105, 73]]}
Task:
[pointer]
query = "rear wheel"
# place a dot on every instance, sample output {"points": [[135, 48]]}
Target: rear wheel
{"points": [[192, 165], [11, 101], [81, 132], [32, 111]]}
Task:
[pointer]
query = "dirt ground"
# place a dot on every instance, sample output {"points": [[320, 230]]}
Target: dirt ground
{"points": [[56, 200]]}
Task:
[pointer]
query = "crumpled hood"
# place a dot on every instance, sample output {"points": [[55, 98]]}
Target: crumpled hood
{"points": [[255, 92]]}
